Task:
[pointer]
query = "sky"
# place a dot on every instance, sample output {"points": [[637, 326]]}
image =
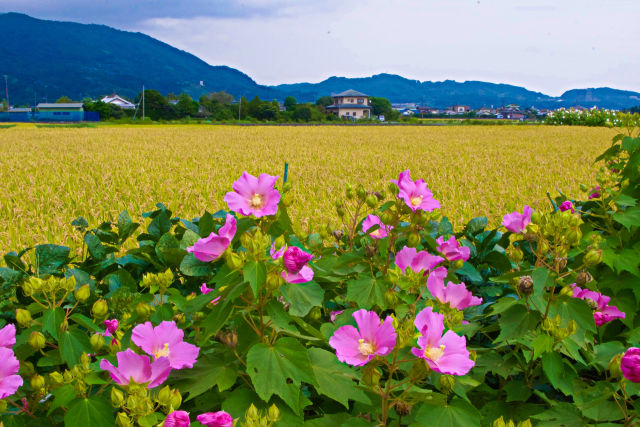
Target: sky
{"points": [[544, 45]]}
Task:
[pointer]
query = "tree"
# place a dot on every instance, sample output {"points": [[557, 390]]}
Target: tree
{"points": [[156, 105], [290, 103], [254, 107], [302, 113], [222, 97], [324, 101], [63, 99], [267, 111], [186, 106], [382, 106]]}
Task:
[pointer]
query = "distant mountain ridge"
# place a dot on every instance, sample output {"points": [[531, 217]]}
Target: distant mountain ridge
{"points": [[51, 59]]}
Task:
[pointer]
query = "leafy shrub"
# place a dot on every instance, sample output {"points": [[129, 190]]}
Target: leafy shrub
{"points": [[349, 326]]}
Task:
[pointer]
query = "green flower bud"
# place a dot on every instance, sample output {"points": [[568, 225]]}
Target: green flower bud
{"points": [[391, 298], [279, 242], [37, 340], [123, 420], [458, 264], [387, 217], [27, 369], [117, 397], [535, 217], [114, 346], [287, 186], [392, 188], [287, 199], [614, 366], [23, 317], [164, 396], [85, 360], [543, 248], [372, 201], [274, 413], [414, 239], [252, 413], [37, 382], [446, 383], [584, 188], [82, 293], [143, 310], [371, 376], [515, 254], [361, 192], [274, 281], [340, 211], [176, 399], [593, 258], [100, 309], [234, 261], [419, 371], [3, 406], [314, 241], [315, 313], [56, 379]]}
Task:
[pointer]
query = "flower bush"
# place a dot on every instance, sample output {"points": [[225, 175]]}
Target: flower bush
{"points": [[393, 318]]}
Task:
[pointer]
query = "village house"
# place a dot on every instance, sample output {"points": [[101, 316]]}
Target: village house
{"points": [[118, 101], [428, 110], [511, 114], [350, 104], [460, 109], [485, 112], [60, 112]]}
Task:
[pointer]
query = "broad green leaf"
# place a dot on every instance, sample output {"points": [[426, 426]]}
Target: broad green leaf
{"points": [[517, 391], [542, 344], [95, 246], [280, 369], [335, 380], [191, 266], [255, 273], [559, 371], [630, 144], [561, 414], [94, 412], [573, 309], [85, 322], [189, 238], [625, 200], [51, 321], [216, 318], [367, 291], [49, 258], [476, 225], [169, 251], [9, 275], [302, 297], [517, 321], [205, 224], [597, 402], [470, 271], [62, 397], [210, 371], [629, 218], [159, 225], [126, 227], [73, 343], [623, 260], [456, 413]]}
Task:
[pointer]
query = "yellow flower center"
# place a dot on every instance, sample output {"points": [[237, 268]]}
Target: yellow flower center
{"points": [[416, 200], [375, 233], [163, 352], [365, 348], [434, 353], [257, 201]]}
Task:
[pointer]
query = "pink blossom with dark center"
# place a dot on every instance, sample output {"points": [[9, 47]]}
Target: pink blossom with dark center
{"points": [[416, 261], [452, 250], [567, 206], [177, 419], [165, 340], [10, 382], [358, 347], [595, 193], [137, 368], [516, 222], [111, 327], [381, 232], [603, 311], [254, 196], [630, 364], [456, 295], [8, 336], [215, 419], [213, 246], [446, 354], [416, 194]]}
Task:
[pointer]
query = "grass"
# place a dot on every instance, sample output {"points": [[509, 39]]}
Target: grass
{"points": [[51, 176]]}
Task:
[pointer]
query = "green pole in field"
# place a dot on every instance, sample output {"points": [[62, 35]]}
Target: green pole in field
{"points": [[286, 171]]}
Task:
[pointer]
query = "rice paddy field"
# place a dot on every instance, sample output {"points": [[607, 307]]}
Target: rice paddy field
{"points": [[52, 175]]}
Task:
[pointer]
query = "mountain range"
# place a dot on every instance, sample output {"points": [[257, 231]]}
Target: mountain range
{"points": [[44, 60]]}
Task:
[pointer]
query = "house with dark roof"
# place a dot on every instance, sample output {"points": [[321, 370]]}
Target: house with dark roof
{"points": [[350, 104]]}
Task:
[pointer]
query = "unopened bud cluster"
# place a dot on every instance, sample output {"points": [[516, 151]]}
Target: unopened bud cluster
{"points": [[552, 326], [52, 288], [158, 281], [255, 418]]}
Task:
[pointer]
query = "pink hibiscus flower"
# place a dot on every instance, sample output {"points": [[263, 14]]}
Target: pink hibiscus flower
{"points": [[381, 232], [452, 250], [603, 311], [456, 295], [295, 263], [595, 193], [254, 196], [567, 206], [630, 364], [417, 261], [415, 194], [9, 380], [177, 419], [446, 354], [212, 247], [516, 222], [165, 340], [137, 368], [215, 419], [358, 346], [204, 289], [111, 327], [8, 336]]}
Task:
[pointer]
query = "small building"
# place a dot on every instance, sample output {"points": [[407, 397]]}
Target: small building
{"points": [[485, 112], [512, 107], [350, 104], [428, 110], [118, 101], [460, 109], [510, 114], [60, 112]]}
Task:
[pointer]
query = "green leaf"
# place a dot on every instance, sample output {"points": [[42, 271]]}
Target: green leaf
{"points": [[597, 402], [476, 225], [189, 238], [541, 280], [169, 251], [630, 144], [126, 227], [63, 396], [10, 276], [498, 260], [471, 272], [517, 391], [456, 413], [367, 291], [561, 414], [205, 224], [210, 371], [159, 225], [49, 258], [573, 309], [255, 273], [216, 318], [280, 369], [559, 371], [191, 266], [94, 412], [542, 344], [516, 322], [95, 246], [85, 322], [73, 343], [302, 297], [625, 200], [335, 380], [629, 218], [51, 321], [623, 260], [121, 278]]}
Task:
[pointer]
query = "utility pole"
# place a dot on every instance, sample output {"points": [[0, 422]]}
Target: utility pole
{"points": [[143, 103], [6, 88], [239, 107]]}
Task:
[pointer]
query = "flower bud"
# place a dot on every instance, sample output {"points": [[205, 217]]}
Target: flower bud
{"points": [[279, 242], [3, 406], [593, 257], [27, 369], [85, 360], [614, 366], [252, 413], [230, 338], [37, 382], [371, 376], [37, 340], [97, 342], [525, 285], [543, 248], [100, 309], [82, 293], [372, 201], [234, 261], [583, 278], [117, 397], [390, 298], [419, 370], [340, 211], [143, 310], [274, 281], [361, 192], [287, 199], [413, 240], [337, 234], [315, 313], [387, 217], [458, 264], [56, 379], [274, 413], [402, 408], [114, 346], [535, 217], [446, 383], [176, 398], [123, 420], [287, 187], [515, 254], [23, 317]]}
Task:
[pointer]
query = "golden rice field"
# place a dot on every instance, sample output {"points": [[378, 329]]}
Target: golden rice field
{"points": [[52, 175]]}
